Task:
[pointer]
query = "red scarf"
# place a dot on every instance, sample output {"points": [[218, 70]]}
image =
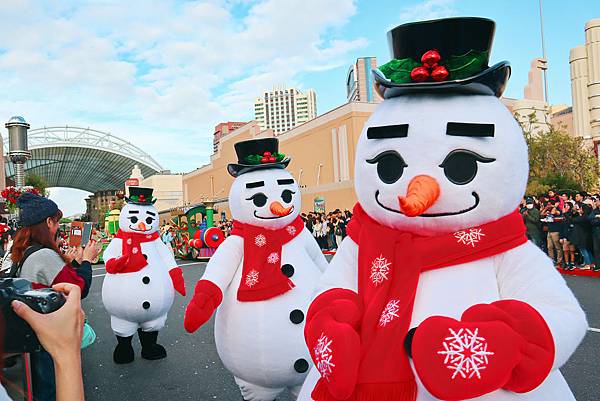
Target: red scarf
{"points": [[261, 273], [132, 249], [389, 265]]}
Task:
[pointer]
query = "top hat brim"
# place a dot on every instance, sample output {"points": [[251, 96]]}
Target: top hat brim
{"points": [[491, 81], [128, 200], [236, 169]]}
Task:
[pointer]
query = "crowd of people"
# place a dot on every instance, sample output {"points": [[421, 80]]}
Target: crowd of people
{"points": [[328, 229], [565, 225]]}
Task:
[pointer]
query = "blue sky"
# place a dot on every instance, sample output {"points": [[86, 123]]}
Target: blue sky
{"points": [[174, 69]]}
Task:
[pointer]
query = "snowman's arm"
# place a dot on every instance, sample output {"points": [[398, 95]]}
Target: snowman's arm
{"points": [[313, 250], [224, 263], [166, 255], [171, 265], [526, 274], [342, 271], [209, 290], [112, 255]]}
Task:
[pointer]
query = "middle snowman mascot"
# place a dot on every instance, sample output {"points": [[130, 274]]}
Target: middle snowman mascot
{"points": [[261, 278], [436, 294], [141, 277]]}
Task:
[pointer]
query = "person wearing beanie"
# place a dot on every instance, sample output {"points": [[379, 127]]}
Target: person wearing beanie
{"points": [[36, 257]]}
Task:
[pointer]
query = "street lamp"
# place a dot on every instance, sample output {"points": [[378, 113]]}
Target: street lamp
{"points": [[18, 151]]}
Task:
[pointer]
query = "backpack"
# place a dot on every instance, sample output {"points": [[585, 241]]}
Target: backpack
{"points": [[11, 270]]}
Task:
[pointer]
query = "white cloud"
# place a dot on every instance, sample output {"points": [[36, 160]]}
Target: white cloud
{"points": [[428, 9]]}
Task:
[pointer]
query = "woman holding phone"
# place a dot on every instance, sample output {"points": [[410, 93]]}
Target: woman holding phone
{"points": [[36, 257]]}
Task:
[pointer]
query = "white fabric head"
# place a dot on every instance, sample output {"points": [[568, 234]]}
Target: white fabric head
{"points": [[141, 219], [253, 193], [496, 188]]}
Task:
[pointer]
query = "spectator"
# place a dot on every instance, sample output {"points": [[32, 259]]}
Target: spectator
{"points": [[531, 217], [581, 235], [36, 257], [566, 236], [594, 219], [552, 215]]}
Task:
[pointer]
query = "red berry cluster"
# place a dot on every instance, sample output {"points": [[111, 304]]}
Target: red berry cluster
{"points": [[430, 68], [142, 198], [267, 158]]}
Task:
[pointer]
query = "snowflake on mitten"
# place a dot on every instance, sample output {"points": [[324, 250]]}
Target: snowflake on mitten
{"points": [[465, 353], [323, 356]]}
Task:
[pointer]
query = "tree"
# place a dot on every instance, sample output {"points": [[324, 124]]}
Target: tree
{"points": [[37, 181], [559, 160]]}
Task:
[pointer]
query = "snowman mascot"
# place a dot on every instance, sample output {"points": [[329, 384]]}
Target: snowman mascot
{"points": [[437, 294], [261, 278], [141, 276]]}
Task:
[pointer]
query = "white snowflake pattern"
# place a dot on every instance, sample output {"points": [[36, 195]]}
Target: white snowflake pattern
{"points": [[466, 353], [273, 258], [291, 230], [470, 237], [252, 278], [390, 312], [260, 240], [324, 356], [380, 268]]}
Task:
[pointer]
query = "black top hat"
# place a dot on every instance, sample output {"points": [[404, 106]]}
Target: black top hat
{"points": [[257, 154], [140, 196], [444, 55]]}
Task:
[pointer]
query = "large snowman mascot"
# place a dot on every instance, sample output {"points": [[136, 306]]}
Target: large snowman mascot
{"points": [[261, 278], [437, 294], [141, 278]]}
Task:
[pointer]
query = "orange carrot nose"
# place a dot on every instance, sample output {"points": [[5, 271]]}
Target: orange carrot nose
{"points": [[278, 209], [422, 193], [142, 226]]}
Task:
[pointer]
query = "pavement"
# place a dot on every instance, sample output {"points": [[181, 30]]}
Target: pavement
{"points": [[193, 370]]}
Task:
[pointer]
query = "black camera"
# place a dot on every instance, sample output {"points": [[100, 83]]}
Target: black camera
{"points": [[18, 335]]}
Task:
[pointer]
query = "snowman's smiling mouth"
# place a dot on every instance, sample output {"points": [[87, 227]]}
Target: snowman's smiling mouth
{"points": [[140, 231], [274, 217], [432, 214]]}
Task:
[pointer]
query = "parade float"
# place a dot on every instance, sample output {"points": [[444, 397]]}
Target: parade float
{"points": [[195, 235]]}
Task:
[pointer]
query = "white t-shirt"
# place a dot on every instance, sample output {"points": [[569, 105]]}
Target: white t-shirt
{"points": [[3, 395]]}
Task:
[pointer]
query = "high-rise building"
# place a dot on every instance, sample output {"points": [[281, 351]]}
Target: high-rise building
{"points": [[282, 109], [360, 86], [223, 129], [585, 84]]}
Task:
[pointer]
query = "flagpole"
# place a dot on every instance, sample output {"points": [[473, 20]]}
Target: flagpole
{"points": [[544, 53]]}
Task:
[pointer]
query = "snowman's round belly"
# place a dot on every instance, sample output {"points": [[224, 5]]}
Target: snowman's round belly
{"points": [[139, 296], [263, 342]]}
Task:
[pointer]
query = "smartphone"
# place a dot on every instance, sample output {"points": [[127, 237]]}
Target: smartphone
{"points": [[86, 234]]}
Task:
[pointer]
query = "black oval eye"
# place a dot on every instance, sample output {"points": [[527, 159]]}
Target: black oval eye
{"points": [[460, 166], [149, 220], [259, 199], [390, 166], [286, 195], [133, 219]]}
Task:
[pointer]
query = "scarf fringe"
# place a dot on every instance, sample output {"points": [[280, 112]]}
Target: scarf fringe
{"points": [[401, 391]]}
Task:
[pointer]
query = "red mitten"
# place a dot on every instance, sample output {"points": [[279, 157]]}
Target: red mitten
{"points": [[177, 279], [537, 348], [116, 265], [493, 346], [331, 333], [207, 297]]}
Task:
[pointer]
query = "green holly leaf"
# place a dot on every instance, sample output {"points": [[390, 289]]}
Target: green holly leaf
{"points": [[253, 159], [466, 65], [398, 71], [278, 157]]}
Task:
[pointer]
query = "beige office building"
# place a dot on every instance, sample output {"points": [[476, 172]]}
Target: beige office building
{"points": [[283, 109], [360, 85], [585, 83], [322, 152], [168, 190]]}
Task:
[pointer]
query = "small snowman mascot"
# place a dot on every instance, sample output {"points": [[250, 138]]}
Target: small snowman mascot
{"points": [[141, 276], [437, 294], [261, 278]]}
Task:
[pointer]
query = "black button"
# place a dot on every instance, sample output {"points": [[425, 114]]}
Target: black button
{"points": [[297, 316], [145, 256], [288, 270], [146, 305], [146, 280], [301, 365]]}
